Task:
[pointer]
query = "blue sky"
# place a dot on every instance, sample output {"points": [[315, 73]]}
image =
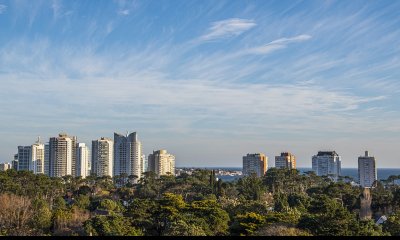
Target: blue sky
{"points": [[207, 80]]}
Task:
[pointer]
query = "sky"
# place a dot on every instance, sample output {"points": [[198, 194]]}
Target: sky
{"points": [[209, 81]]}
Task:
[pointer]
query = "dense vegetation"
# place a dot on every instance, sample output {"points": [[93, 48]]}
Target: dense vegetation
{"points": [[283, 202]]}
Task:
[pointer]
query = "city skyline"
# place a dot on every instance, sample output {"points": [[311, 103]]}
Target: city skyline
{"points": [[209, 81], [271, 163]]}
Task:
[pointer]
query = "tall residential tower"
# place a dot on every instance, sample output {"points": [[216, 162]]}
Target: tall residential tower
{"points": [[37, 158], [162, 163], [127, 155], [102, 157], [327, 163], [367, 174], [61, 152], [255, 163], [82, 160], [285, 160]]}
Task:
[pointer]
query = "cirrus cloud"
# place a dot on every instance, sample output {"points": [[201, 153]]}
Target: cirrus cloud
{"points": [[227, 28]]}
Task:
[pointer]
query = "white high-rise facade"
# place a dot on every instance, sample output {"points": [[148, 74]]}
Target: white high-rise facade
{"points": [[102, 157], [255, 163], [367, 173], [162, 163], [127, 155], [82, 160], [37, 158], [61, 152], [31, 158], [5, 166], [144, 163], [327, 163]]}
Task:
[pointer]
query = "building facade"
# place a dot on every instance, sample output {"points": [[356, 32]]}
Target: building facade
{"points": [[61, 151], [46, 159], [144, 164], [37, 158], [127, 155], [162, 163], [255, 163], [103, 157], [24, 158], [367, 173], [285, 160], [327, 163], [82, 160], [14, 162], [5, 166]]}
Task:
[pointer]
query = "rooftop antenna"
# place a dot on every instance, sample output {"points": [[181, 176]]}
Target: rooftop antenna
{"points": [[127, 133], [38, 139]]}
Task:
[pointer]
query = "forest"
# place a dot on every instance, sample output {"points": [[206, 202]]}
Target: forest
{"points": [[281, 203]]}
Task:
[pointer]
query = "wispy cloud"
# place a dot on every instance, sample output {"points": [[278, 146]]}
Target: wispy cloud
{"points": [[327, 74], [125, 7], [227, 28], [3, 8], [59, 10], [124, 12], [276, 45]]}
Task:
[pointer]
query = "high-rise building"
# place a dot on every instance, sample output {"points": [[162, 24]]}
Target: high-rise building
{"points": [[37, 158], [15, 162], [102, 157], [30, 158], [255, 163], [327, 163], [24, 158], [5, 166], [46, 159], [89, 166], [162, 163], [144, 163], [73, 156], [127, 155], [285, 160], [367, 173], [82, 160], [61, 150]]}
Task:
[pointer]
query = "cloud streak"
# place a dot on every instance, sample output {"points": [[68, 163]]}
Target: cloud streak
{"points": [[275, 45], [227, 28], [99, 72], [3, 8]]}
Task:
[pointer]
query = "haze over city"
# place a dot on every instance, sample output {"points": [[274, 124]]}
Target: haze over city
{"points": [[208, 80]]}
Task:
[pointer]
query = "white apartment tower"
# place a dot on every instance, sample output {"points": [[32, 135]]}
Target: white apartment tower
{"points": [[127, 155], [255, 163], [162, 163], [5, 166], [144, 163], [285, 160], [31, 158], [367, 174], [327, 163], [37, 158], [102, 157], [82, 160], [61, 152]]}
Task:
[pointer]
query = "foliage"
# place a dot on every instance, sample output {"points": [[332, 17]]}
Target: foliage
{"points": [[281, 203], [111, 225], [392, 224], [251, 187], [247, 224]]}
